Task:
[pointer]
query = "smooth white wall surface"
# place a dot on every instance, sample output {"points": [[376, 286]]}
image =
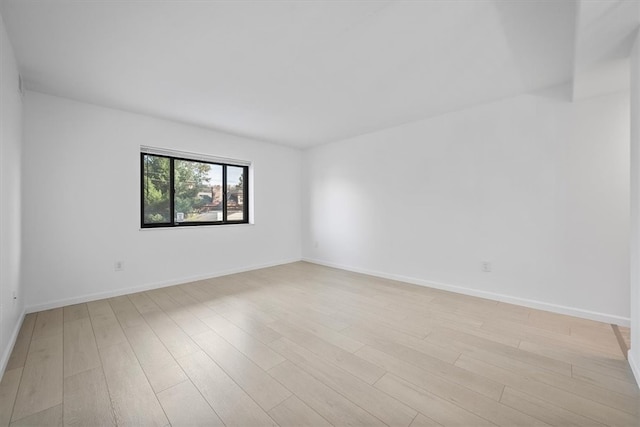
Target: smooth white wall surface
{"points": [[536, 185], [634, 352], [11, 311], [81, 197]]}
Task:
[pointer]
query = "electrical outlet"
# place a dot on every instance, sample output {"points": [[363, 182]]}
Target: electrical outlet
{"points": [[315, 245], [118, 265], [486, 267]]}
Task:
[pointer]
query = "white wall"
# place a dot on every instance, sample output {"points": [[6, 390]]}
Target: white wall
{"points": [[81, 198], [536, 185], [11, 311], [634, 352]]}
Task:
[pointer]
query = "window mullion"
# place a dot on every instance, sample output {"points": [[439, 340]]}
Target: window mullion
{"points": [[172, 189], [224, 193], [245, 194], [142, 188]]}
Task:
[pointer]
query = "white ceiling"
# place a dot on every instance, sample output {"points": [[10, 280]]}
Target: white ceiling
{"points": [[299, 73]]}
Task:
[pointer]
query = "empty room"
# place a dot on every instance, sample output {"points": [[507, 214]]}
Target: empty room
{"points": [[315, 213]]}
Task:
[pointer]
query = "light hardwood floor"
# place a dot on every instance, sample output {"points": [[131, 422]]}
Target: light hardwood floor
{"points": [[305, 345]]}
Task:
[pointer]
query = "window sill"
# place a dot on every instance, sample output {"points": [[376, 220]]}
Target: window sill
{"points": [[196, 227]]}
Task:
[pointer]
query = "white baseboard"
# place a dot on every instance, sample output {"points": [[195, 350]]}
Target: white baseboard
{"points": [[12, 342], [148, 286], [540, 305], [635, 367]]}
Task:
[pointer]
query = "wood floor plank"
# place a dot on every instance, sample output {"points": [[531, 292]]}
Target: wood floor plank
{"points": [[325, 333], [183, 296], [605, 339], [574, 403], [177, 342], [557, 327], [8, 391], [106, 328], [86, 400], [41, 383], [234, 305], [282, 306], [382, 406], [421, 374], [162, 377], [50, 417], [228, 400], [181, 308], [469, 343], [587, 390], [391, 317], [188, 321], [426, 362], [20, 349], [433, 317], [422, 421], [185, 406], [143, 303], [126, 312], [605, 365], [100, 308], [347, 361], [511, 341], [147, 346], [605, 381], [160, 367], [162, 300], [544, 410], [293, 412], [547, 316], [75, 312], [472, 401], [247, 322], [48, 323], [328, 403], [397, 337], [545, 337], [255, 350], [440, 410], [134, 402], [267, 392], [80, 349]]}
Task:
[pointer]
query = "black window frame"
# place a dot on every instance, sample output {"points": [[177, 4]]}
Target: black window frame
{"points": [[173, 223]]}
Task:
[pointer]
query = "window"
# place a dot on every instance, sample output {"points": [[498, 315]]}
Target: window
{"points": [[181, 191]]}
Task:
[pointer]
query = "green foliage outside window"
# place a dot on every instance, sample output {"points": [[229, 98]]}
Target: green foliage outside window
{"points": [[156, 190], [191, 179]]}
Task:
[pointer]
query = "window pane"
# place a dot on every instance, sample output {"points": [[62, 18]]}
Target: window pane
{"points": [[235, 193], [155, 182], [198, 196]]}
